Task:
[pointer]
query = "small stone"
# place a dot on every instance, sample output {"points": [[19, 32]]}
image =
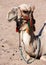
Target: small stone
{"points": [[16, 51], [20, 59], [8, 51], [2, 45], [10, 57], [13, 54]]}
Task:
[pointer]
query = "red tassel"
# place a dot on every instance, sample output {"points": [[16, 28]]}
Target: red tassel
{"points": [[31, 23], [16, 29], [26, 17]]}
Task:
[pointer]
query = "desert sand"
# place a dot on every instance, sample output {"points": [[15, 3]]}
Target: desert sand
{"points": [[9, 39]]}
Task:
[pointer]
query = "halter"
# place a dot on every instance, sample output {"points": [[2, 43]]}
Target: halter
{"points": [[20, 21]]}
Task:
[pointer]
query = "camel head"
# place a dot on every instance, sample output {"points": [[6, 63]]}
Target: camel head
{"points": [[21, 14]]}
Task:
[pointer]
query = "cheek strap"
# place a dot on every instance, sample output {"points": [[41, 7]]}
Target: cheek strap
{"points": [[30, 24]]}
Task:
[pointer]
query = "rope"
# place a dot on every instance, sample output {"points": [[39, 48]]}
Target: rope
{"points": [[38, 50], [38, 46], [40, 32]]}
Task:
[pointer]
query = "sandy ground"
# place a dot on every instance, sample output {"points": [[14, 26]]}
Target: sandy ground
{"points": [[9, 39]]}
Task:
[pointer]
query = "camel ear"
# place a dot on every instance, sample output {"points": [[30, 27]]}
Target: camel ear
{"points": [[33, 8], [12, 14]]}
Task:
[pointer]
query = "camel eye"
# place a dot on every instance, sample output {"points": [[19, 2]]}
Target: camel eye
{"points": [[25, 11]]}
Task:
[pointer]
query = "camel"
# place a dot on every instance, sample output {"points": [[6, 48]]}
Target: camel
{"points": [[30, 45]]}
